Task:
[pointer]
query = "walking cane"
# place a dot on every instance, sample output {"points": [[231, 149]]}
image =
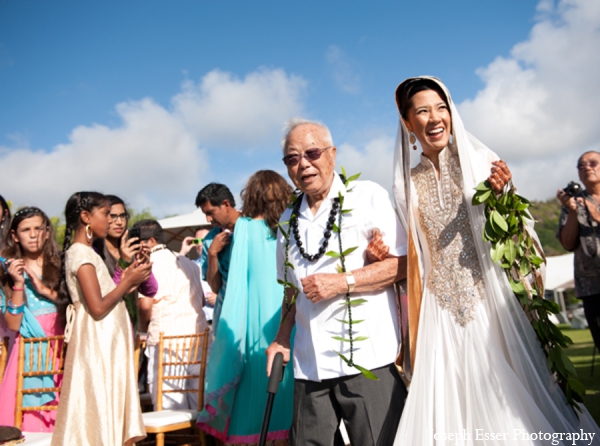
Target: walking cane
{"points": [[274, 380]]}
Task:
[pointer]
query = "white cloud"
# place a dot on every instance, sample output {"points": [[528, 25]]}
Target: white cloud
{"points": [[341, 70], [538, 108], [227, 111], [149, 159], [541, 178], [154, 157], [374, 161]]}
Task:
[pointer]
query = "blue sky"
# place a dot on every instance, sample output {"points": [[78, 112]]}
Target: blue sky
{"points": [[152, 100]]}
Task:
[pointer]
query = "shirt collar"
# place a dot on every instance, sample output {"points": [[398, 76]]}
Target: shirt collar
{"points": [[158, 248], [444, 156], [337, 186]]}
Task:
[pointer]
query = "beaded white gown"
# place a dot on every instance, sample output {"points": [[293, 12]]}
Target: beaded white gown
{"points": [[475, 382]]}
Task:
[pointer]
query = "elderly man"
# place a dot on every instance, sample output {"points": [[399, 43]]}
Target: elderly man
{"points": [[579, 231], [328, 387]]}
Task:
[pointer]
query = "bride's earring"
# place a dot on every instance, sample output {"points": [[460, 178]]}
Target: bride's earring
{"points": [[413, 140]]}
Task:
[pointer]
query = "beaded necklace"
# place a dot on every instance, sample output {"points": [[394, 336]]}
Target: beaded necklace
{"points": [[335, 206]]}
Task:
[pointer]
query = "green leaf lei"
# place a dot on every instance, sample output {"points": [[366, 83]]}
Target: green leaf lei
{"points": [[520, 256], [341, 268]]}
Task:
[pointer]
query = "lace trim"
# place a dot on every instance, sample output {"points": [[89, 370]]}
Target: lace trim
{"points": [[456, 278]]}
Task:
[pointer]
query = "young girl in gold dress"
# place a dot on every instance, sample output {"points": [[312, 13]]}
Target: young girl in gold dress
{"points": [[99, 400]]}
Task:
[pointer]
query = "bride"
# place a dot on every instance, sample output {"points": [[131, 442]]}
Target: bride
{"points": [[479, 375]]}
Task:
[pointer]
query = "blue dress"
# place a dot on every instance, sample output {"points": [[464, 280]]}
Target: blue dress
{"points": [[236, 379], [40, 319]]}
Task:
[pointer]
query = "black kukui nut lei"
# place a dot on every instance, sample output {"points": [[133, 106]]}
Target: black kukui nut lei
{"points": [[335, 207]]}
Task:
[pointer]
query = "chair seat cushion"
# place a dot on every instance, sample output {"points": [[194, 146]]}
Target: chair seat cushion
{"points": [[168, 417], [37, 439]]}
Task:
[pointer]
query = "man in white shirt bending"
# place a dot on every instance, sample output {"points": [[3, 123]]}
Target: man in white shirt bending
{"points": [[176, 309]]}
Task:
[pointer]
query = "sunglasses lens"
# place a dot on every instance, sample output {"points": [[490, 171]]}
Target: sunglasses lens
{"points": [[592, 165], [310, 154], [313, 154], [291, 160]]}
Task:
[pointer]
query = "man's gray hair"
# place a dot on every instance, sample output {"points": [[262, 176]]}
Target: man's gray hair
{"points": [[585, 153], [297, 122]]}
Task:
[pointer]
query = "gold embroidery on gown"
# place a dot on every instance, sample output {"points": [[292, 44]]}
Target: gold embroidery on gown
{"points": [[455, 278]]}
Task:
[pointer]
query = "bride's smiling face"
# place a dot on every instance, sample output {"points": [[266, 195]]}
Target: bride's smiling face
{"points": [[429, 119]]}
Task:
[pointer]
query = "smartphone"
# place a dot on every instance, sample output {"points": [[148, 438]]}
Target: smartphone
{"points": [[135, 232]]}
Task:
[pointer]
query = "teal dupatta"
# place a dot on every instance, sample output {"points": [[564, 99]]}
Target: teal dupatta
{"points": [[236, 380], [31, 328]]}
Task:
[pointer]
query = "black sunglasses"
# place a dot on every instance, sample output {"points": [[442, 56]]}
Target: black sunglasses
{"points": [[310, 154], [583, 164]]}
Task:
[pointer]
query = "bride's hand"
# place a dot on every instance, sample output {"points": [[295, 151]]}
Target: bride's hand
{"points": [[377, 250], [499, 176]]}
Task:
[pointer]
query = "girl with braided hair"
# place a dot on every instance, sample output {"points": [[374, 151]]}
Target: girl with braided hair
{"points": [[99, 399], [28, 298]]}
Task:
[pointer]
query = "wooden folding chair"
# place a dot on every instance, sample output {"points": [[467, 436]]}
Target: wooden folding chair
{"points": [[145, 397], [3, 356], [181, 353], [46, 357]]}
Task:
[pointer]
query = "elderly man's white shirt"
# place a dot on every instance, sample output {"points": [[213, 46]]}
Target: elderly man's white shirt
{"points": [[314, 348]]}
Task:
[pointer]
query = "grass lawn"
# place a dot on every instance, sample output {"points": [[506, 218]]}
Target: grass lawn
{"points": [[581, 354]]}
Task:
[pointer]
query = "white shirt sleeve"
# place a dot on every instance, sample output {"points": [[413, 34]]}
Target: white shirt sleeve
{"points": [[385, 219]]}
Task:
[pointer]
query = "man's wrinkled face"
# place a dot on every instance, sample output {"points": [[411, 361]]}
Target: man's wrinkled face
{"points": [[589, 168], [313, 177]]}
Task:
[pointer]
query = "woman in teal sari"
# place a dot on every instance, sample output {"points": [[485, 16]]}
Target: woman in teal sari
{"points": [[236, 379]]}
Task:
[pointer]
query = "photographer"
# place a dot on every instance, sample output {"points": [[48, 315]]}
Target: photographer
{"points": [[579, 231]]}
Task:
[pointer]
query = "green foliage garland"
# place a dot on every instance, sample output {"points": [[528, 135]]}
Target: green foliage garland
{"points": [[519, 254]]}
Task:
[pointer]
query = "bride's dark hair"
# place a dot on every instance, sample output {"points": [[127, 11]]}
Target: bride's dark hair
{"points": [[407, 89]]}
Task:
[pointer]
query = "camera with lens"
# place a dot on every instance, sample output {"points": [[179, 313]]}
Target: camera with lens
{"points": [[572, 189]]}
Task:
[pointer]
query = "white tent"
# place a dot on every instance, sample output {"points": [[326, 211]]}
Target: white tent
{"points": [[559, 272], [559, 279], [181, 226]]}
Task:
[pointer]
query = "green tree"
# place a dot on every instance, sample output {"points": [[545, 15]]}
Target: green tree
{"points": [[144, 214], [547, 214], [59, 226]]}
